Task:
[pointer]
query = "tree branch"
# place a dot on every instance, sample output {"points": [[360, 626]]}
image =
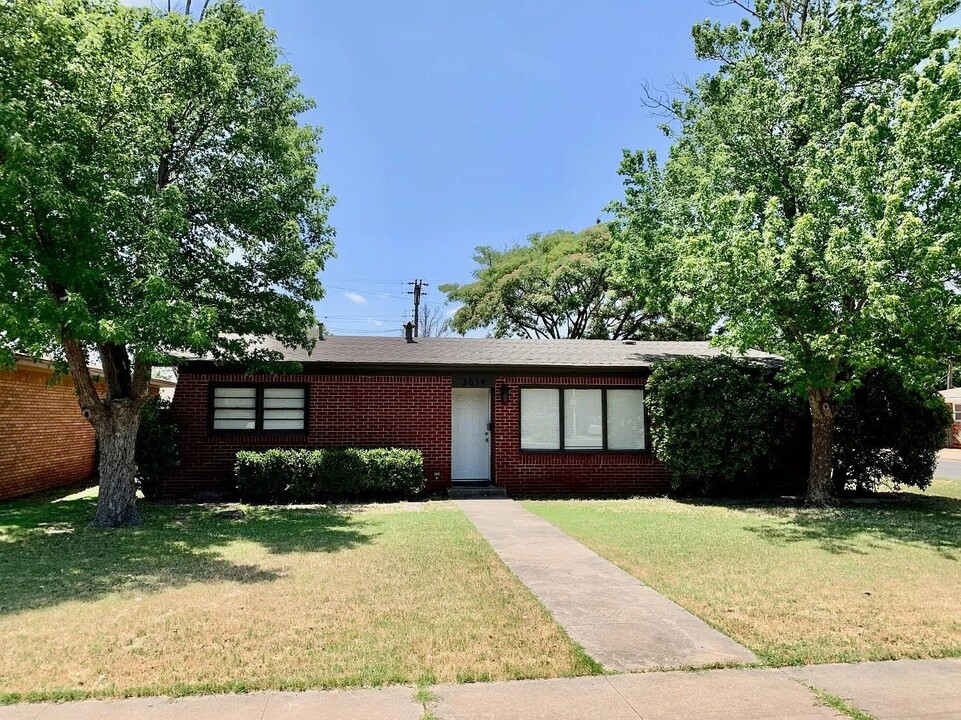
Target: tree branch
{"points": [[80, 372]]}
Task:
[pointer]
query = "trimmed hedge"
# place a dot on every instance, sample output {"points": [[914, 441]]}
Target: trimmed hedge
{"points": [[290, 476]]}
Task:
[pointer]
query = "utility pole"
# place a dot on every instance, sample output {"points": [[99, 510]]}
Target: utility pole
{"points": [[417, 292]]}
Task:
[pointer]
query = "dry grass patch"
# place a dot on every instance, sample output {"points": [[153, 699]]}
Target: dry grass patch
{"points": [[285, 598], [858, 582]]}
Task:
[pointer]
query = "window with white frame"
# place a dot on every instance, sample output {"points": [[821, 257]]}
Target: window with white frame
{"points": [[258, 408], [957, 412], [582, 419]]}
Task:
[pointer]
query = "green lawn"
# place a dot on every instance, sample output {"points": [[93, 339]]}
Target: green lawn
{"points": [[858, 582], [286, 598]]}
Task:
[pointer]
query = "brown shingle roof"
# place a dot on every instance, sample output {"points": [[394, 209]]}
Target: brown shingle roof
{"points": [[481, 353]]}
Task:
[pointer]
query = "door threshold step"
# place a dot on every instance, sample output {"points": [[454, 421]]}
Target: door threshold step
{"points": [[470, 491]]}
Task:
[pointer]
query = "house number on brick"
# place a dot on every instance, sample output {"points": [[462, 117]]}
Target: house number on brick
{"points": [[473, 381]]}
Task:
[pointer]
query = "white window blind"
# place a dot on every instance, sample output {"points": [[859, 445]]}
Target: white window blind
{"points": [[540, 419], [583, 420], [625, 419], [594, 419], [235, 408], [283, 408], [259, 409]]}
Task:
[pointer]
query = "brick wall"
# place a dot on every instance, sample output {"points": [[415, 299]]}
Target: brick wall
{"points": [[546, 473], [44, 440], [408, 411], [411, 411], [954, 435]]}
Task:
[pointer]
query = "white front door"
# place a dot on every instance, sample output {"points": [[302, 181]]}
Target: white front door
{"points": [[471, 416]]}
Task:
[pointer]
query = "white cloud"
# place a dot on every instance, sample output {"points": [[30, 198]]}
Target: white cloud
{"points": [[356, 298], [378, 323], [450, 311]]}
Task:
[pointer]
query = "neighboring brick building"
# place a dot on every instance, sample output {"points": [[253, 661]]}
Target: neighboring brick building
{"points": [[952, 397], [531, 416], [44, 440]]}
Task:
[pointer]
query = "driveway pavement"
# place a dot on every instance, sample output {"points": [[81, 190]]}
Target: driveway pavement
{"points": [[619, 621]]}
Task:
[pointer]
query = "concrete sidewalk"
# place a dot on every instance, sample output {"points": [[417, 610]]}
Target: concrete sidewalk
{"points": [[950, 454], [893, 690], [711, 695], [619, 621], [929, 689]]}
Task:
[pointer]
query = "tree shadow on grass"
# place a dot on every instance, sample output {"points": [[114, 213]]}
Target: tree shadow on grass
{"points": [[49, 556], [855, 527]]}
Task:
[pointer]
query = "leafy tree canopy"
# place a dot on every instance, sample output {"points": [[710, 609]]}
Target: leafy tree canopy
{"points": [[811, 199], [558, 285], [157, 196]]}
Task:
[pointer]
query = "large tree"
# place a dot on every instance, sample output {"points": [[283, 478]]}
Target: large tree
{"points": [[559, 285], [811, 201], [157, 197]]}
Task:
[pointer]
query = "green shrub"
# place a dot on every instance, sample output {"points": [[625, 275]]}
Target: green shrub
{"points": [[156, 451], [722, 425], [725, 425], [329, 474], [887, 433]]}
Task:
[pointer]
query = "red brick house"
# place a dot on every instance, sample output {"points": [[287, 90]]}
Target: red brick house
{"points": [[529, 416], [952, 397], [45, 442]]}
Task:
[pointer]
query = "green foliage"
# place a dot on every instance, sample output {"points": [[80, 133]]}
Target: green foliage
{"points": [[157, 453], [811, 199], [888, 433], [724, 425], [283, 476], [157, 191], [559, 285], [158, 198]]}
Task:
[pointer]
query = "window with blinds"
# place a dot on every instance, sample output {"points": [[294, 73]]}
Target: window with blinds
{"points": [[259, 408], [235, 408], [582, 419], [540, 419]]}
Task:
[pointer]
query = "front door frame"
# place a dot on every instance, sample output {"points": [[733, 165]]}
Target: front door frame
{"points": [[489, 442]]}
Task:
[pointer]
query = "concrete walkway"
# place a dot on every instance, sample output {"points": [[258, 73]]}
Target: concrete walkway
{"points": [[711, 695], [925, 689], [892, 690], [619, 621]]}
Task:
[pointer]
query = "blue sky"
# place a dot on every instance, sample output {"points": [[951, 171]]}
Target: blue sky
{"points": [[449, 125]]}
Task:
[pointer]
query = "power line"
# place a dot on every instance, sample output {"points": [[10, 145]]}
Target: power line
{"points": [[362, 291]]}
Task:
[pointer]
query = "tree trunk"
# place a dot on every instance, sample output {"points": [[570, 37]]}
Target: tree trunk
{"points": [[116, 426], [822, 446]]}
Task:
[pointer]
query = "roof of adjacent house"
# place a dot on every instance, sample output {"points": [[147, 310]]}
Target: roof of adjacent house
{"points": [[951, 394], [490, 353], [47, 363]]}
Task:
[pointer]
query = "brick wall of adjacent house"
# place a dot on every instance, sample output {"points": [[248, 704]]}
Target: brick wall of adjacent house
{"points": [[44, 440], [408, 411], [581, 473], [954, 435], [412, 411]]}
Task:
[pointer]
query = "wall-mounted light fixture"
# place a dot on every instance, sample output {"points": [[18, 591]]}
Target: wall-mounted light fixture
{"points": [[505, 393]]}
